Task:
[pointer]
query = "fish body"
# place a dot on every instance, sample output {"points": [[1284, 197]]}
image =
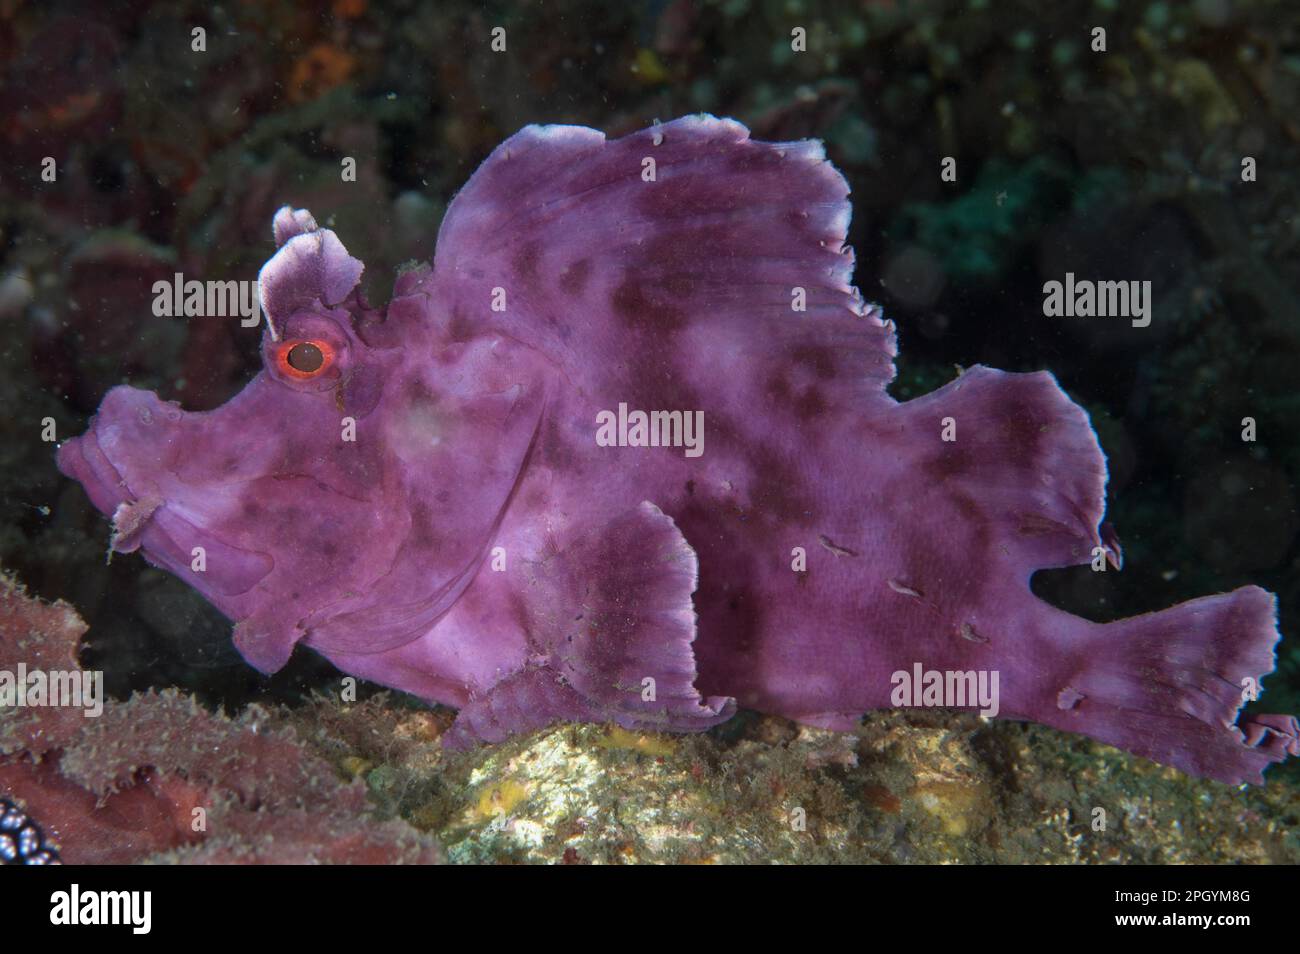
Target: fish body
{"points": [[624, 451]]}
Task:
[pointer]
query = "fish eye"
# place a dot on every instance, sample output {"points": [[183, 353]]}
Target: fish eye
{"points": [[304, 359]]}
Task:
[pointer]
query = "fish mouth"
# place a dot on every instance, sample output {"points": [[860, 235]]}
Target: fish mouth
{"points": [[83, 459], [86, 459], [130, 426]]}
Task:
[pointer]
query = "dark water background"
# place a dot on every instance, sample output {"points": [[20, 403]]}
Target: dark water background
{"points": [[1117, 165]]}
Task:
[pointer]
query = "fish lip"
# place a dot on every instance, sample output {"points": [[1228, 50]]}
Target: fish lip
{"points": [[88, 460], [84, 460], [141, 513]]}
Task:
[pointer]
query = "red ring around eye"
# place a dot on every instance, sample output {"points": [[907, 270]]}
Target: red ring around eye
{"points": [[304, 359]]}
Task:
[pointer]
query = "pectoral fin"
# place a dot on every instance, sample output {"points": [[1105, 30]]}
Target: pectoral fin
{"points": [[611, 615], [265, 642]]}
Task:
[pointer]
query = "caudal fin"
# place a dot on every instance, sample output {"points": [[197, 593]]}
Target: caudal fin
{"points": [[1169, 686]]}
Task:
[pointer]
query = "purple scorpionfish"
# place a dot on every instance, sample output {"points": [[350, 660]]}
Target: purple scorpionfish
{"points": [[624, 453]]}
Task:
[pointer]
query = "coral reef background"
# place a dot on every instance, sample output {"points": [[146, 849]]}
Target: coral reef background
{"points": [[1123, 164]]}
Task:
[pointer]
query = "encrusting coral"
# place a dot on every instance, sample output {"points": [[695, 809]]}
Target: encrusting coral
{"points": [[158, 777]]}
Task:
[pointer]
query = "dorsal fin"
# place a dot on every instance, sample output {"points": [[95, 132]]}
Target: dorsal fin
{"points": [[677, 252]]}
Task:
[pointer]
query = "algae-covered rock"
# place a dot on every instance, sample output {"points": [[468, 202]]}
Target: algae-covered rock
{"points": [[910, 786]]}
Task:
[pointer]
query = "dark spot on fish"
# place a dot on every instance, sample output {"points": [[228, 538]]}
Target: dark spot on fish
{"points": [[526, 261], [777, 388], [554, 448], [777, 489], [673, 271], [574, 278], [656, 383], [517, 610], [362, 389], [810, 404], [417, 393], [806, 404], [966, 505], [690, 488], [981, 533], [819, 358], [953, 459], [535, 499], [744, 619], [423, 534], [726, 553], [563, 330], [1023, 433], [460, 327], [640, 311]]}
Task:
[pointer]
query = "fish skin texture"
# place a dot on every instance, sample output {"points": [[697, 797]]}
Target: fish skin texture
{"points": [[474, 545]]}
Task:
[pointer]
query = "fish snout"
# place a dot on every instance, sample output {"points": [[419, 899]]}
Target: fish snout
{"points": [[127, 440]]}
